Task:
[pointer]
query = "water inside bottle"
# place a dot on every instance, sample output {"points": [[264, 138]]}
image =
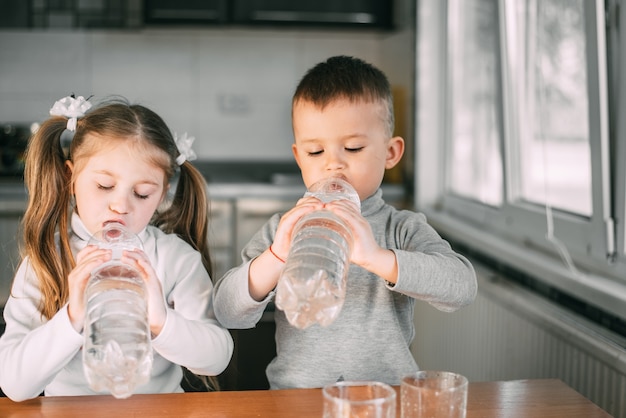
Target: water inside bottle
{"points": [[311, 288], [117, 354]]}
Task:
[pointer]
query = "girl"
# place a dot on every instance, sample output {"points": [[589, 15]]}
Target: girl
{"points": [[119, 165]]}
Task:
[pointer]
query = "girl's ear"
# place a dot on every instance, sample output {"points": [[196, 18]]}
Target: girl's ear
{"points": [[165, 190], [395, 150], [69, 168]]}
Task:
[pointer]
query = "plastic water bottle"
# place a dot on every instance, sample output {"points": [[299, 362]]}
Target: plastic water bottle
{"points": [[312, 285], [117, 354]]}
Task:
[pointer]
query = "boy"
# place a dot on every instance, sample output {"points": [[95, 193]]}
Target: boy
{"points": [[342, 115]]}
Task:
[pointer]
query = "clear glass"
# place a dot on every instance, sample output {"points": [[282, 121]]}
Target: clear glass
{"points": [[475, 165], [428, 394], [554, 154], [359, 399]]}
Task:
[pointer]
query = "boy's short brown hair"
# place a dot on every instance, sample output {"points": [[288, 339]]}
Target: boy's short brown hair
{"points": [[350, 78]]}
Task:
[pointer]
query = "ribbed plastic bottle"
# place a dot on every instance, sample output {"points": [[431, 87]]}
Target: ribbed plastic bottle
{"points": [[117, 354], [312, 285]]}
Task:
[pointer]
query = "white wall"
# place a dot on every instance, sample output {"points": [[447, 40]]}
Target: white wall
{"points": [[230, 88]]}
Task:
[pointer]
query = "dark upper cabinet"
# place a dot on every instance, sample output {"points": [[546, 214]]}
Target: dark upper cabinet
{"points": [[186, 12], [312, 13], [70, 14], [366, 14], [15, 14], [318, 13]]}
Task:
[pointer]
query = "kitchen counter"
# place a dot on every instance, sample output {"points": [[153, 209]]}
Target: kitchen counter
{"points": [[266, 179], [233, 190], [391, 192]]}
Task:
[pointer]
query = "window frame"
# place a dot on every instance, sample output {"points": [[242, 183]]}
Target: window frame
{"points": [[515, 232]]}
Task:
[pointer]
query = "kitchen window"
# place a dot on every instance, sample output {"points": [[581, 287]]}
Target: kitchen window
{"points": [[475, 168], [530, 168], [554, 161]]}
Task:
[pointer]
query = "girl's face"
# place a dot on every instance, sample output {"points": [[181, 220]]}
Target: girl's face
{"points": [[118, 185]]}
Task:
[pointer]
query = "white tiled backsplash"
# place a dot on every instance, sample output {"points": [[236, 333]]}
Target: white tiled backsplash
{"points": [[230, 88]]}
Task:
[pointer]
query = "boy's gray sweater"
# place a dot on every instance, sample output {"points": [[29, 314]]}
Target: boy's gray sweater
{"points": [[370, 338]]}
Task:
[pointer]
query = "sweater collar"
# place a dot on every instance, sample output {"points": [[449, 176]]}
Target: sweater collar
{"points": [[79, 229], [373, 203]]}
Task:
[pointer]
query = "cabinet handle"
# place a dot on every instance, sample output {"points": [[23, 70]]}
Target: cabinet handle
{"points": [[327, 17]]}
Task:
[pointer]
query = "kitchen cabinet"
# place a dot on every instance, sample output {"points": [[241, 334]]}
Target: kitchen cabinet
{"points": [[254, 348], [234, 221], [186, 11], [311, 13], [70, 14], [321, 13], [12, 207], [132, 14], [15, 14], [9, 251], [221, 236], [253, 212]]}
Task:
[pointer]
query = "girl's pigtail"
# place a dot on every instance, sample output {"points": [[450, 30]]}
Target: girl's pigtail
{"points": [[187, 216], [48, 183]]}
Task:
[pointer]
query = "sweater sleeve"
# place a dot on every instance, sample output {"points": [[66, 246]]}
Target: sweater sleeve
{"points": [[428, 268], [32, 349], [191, 336], [234, 307]]}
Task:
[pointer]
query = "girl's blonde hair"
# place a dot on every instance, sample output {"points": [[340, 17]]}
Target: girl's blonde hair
{"points": [[49, 184]]}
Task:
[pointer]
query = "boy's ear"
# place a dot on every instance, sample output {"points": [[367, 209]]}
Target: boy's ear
{"points": [[294, 150], [395, 150]]}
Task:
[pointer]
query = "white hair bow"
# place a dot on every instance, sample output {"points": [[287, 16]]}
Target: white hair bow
{"points": [[72, 108], [184, 148]]}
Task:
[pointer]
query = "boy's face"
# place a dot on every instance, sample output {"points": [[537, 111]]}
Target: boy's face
{"points": [[345, 140]]}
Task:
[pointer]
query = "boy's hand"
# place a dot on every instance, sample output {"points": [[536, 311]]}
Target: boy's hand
{"points": [[87, 260], [265, 269], [284, 232], [365, 250]]}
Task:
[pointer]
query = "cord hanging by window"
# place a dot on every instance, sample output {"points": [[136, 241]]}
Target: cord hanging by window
{"points": [[550, 236]]}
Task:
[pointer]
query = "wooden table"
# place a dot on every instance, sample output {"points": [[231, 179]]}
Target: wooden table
{"points": [[519, 398]]}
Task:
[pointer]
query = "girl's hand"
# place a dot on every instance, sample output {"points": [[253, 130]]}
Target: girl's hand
{"points": [[87, 260], [157, 309], [365, 250]]}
